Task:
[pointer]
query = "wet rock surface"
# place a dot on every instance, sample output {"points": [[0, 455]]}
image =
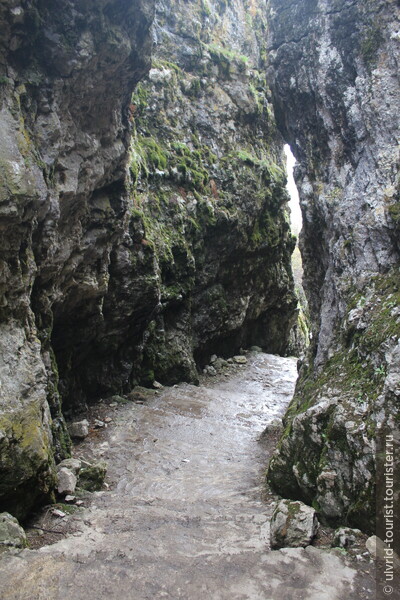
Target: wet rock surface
{"points": [[186, 515]]}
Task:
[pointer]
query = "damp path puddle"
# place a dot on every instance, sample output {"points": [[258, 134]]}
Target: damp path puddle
{"points": [[187, 514]]}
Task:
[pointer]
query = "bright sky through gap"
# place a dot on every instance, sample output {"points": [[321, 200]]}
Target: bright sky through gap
{"points": [[294, 204]]}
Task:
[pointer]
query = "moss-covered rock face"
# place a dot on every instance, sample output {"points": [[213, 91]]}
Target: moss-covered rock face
{"points": [[26, 442], [91, 478], [342, 408], [208, 190], [335, 87], [11, 533]]}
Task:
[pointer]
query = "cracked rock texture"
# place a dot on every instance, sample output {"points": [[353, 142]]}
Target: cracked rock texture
{"points": [[334, 68], [66, 76], [112, 276]]}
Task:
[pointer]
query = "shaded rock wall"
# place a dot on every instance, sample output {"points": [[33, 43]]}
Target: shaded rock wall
{"points": [[334, 73], [64, 141]]}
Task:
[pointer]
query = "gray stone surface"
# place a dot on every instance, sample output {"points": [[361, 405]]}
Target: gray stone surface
{"points": [[12, 534], [194, 530], [66, 481], [79, 429], [293, 525], [335, 83]]}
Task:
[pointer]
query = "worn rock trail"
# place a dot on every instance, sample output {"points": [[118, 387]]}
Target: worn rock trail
{"points": [[186, 515]]}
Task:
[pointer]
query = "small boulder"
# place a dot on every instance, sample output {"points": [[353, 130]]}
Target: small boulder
{"points": [[240, 359], [79, 429], [275, 425], [210, 371], [345, 537], [293, 525], [73, 464], [220, 364], [137, 395], [56, 512], [66, 481], [91, 478], [11, 533], [376, 547], [116, 399]]}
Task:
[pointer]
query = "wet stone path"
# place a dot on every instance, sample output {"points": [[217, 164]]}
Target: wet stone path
{"points": [[186, 515]]}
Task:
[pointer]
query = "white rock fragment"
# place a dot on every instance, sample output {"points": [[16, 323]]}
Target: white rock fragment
{"points": [[293, 525], [346, 537], [66, 481], [58, 513], [372, 545], [79, 429], [210, 370], [73, 464]]}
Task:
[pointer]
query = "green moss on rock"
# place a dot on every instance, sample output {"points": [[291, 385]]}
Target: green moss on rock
{"points": [[330, 423], [91, 478], [26, 462]]}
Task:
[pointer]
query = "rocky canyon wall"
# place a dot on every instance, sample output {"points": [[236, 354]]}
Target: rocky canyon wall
{"points": [[334, 68], [67, 71], [124, 261], [210, 205]]}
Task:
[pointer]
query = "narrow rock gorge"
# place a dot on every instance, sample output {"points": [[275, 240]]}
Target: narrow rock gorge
{"points": [[141, 234], [144, 222]]}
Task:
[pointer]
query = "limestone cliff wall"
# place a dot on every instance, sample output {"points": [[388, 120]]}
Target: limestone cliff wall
{"points": [[334, 76]]}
